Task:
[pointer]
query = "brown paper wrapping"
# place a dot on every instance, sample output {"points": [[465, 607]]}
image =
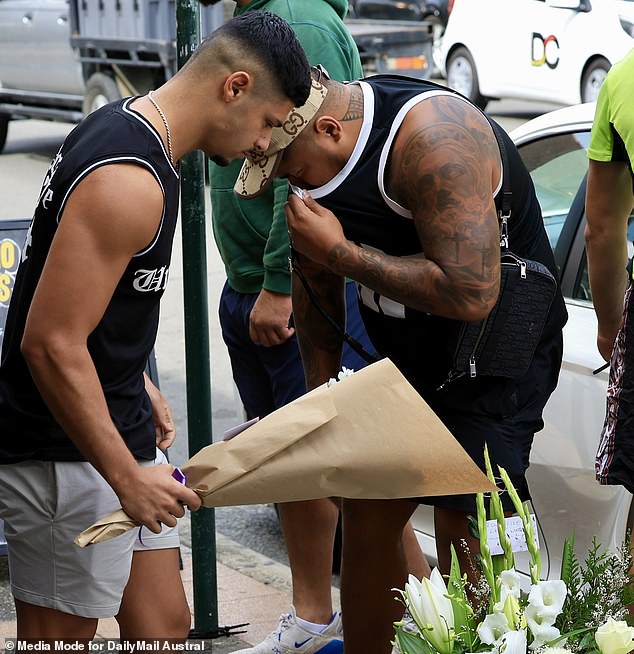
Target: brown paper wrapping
{"points": [[369, 436]]}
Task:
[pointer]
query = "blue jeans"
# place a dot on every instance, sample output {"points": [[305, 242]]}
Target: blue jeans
{"points": [[267, 378]]}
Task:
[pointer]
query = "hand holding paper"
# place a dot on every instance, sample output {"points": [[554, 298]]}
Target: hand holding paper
{"points": [[369, 436]]}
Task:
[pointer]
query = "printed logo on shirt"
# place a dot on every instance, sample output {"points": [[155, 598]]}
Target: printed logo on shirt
{"points": [[46, 194], [151, 281]]}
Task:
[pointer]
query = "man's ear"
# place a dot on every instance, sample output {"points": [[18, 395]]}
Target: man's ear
{"points": [[236, 85], [329, 126]]}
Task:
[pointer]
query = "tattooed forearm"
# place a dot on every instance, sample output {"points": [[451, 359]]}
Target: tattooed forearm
{"points": [[320, 344], [418, 282], [443, 167]]}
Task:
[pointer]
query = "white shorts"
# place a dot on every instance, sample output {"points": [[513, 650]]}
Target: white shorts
{"points": [[44, 505]]}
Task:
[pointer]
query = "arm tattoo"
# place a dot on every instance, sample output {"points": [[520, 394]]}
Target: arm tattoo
{"points": [[441, 170]]}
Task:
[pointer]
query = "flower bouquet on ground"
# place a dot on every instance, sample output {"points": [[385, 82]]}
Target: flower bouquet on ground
{"points": [[585, 611]]}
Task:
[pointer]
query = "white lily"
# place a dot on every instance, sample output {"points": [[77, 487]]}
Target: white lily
{"points": [[509, 584], [431, 610], [513, 642], [550, 595], [493, 627], [543, 634]]}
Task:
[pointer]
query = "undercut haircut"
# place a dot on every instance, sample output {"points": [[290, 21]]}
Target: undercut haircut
{"points": [[270, 43]]}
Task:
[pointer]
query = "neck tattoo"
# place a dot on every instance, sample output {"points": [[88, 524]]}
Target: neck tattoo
{"points": [[167, 127]]}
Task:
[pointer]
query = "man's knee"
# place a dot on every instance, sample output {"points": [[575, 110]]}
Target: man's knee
{"points": [[43, 623]]}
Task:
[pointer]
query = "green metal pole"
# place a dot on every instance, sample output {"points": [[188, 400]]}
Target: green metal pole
{"points": [[197, 358]]}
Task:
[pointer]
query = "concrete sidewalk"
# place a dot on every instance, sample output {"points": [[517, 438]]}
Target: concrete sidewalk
{"points": [[253, 591]]}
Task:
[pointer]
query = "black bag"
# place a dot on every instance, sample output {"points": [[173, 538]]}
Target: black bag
{"points": [[503, 344]]}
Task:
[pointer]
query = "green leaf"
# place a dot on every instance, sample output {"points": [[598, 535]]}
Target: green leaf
{"points": [[473, 527], [462, 615], [412, 642], [568, 559]]}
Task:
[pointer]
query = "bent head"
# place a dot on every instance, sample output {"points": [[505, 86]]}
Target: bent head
{"points": [[259, 71], [308, 150]]}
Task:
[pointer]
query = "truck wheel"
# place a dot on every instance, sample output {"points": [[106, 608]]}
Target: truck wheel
{"points": [[100, 90], [4, 128], [462, 76], [592, 79]]}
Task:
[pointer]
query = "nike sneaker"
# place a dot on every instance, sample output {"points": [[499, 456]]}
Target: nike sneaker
{"points": [[290, 638]]}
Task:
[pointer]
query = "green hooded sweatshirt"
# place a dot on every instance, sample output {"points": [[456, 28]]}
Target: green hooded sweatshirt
{"points": [[251, 235]]}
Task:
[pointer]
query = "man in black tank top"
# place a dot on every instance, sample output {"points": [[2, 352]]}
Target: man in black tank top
{"points": [[403, 177], [80, 423]]}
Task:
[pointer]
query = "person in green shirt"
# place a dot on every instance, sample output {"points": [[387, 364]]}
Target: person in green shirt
{"points": [[609, 203], [255, 313]]}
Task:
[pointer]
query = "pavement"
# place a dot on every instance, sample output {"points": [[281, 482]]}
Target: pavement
{"points": [[252, 592]]}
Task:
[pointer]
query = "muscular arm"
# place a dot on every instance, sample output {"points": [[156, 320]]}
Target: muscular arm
{"points": [[444, 167], [107, 220], [320, 345], [609, 201]]}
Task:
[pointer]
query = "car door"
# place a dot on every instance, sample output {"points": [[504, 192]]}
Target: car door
{"points": [[59, 69], [566, 496], [35, 52], [18, 56]]}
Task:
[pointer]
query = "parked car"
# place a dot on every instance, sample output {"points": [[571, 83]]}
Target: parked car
{"points": [[62, 59], [551, 50], [566, 496], [435, 12], [430, 10]]}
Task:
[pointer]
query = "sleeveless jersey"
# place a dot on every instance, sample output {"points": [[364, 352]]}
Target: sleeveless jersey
{"points": [[123, 340], [417, 342]]}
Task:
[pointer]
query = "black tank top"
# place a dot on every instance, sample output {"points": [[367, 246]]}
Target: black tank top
{"points": [[417, 342], [123, 340]]}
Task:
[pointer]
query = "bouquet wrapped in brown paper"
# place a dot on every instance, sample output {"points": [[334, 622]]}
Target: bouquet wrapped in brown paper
{"points": [[369, 436]]}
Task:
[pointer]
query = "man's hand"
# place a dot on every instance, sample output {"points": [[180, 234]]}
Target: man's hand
{"points": [[605, 340], [315, 231], [268, 322], [152, 497], [162, 416]]}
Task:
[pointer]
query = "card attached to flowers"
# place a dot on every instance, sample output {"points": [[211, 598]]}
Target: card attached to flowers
{"points": [[584, 611]]}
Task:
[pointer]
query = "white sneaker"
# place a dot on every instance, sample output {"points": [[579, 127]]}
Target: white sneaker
{"points": [[290, 638]]}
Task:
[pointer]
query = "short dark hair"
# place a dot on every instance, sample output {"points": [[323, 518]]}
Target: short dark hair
{"points": [[273, 43]]}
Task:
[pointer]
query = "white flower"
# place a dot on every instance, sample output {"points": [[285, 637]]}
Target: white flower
{"points": [[513, 642], [615, 637], [510, 584], [342, 374], [545, 601], [555, 650], [543, 634], [431, 610], [494, 626], [549, 594]]}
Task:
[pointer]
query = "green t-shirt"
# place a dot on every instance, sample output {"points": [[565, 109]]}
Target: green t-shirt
{"points": [[612, 137], [251, 235]]}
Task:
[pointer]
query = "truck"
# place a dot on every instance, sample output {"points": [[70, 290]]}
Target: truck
{"points": [[62, 59]]}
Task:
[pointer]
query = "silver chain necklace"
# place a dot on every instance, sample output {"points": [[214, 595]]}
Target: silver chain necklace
{"points": [[167, 127]]}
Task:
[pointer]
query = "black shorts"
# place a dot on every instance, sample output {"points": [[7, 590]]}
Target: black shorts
{"points": [[504, 415]]}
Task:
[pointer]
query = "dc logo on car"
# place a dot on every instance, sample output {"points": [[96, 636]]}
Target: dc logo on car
{"points": [[544, 50]]}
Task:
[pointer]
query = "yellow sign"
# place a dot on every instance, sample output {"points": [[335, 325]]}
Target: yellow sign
{"points": [[9, 260]]}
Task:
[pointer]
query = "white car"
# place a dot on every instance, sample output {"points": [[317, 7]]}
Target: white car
{"points": [[549, 50], [561, 477]]}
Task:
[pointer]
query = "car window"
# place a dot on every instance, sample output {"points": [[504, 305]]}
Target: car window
{"points": [[581, 290], [557, 163]]}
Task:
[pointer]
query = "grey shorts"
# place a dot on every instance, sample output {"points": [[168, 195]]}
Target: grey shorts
{"points": [[44, 505]]}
